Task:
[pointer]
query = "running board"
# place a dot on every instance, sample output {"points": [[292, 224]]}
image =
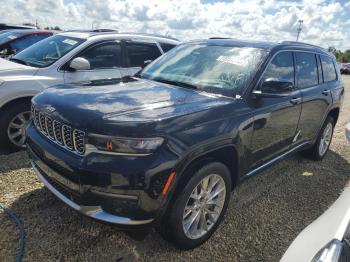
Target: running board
{"points": [[276, 159]]}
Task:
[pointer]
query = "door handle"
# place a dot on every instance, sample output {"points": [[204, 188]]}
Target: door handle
{"points": [[295, 100], [326, 92]]}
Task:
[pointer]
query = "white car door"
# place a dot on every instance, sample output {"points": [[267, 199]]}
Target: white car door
{"points": [[139, 53], [105, 62]]}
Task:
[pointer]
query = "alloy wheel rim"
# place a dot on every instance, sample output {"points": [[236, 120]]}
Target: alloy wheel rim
{"points": [[16, 128], [325, 139], [204, 206]]}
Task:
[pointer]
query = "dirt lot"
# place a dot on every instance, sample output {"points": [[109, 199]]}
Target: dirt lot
{"points": [[266, 213]]}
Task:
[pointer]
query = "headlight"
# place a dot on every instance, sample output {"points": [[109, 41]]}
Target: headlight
{"points": [[126, 145]]}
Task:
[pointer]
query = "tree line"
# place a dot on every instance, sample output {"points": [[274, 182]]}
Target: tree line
{"points": [[46, 28], [342, 57]]}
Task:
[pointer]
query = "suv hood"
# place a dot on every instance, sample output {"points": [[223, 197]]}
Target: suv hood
{"points": [[112, 101], [9, 68]]}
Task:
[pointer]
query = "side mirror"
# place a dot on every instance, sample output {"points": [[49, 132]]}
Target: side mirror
{"points": [[5, 52], [79, 63], [274, 88], [146, 63]]}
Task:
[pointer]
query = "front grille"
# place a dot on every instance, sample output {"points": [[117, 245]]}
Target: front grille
{"points": [[67, 136], [62, 134], [57, 126]]}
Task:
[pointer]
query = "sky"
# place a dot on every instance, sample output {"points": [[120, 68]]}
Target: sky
{"points": [[325, 23]]}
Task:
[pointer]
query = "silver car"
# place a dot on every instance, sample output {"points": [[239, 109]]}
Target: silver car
{"points": [[65, 58]]}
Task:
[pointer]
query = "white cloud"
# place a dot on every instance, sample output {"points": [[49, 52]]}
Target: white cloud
{"points": [[326, 23]]}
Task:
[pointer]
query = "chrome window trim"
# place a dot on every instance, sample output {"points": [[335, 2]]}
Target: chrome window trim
{"points": [[248, 92]]}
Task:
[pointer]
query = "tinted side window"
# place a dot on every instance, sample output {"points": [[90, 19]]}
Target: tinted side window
{"points": [[281, 67], [103, 56], [306, 69], [138, 53], [166, 47], [27, 41], [329, 72]]}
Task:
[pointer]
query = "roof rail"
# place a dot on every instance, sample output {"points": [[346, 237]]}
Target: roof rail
{"points": [[219, 37], [112, 31], [103, 30], [299, 43], [154, 35]]}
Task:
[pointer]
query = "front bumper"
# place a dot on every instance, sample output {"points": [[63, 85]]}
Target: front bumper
{"points": [[95, 212], [116, 189]]}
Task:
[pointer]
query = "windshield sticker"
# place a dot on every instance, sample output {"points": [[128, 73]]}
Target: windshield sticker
{"points": [[235, 60], [69, 41], [12, 37]]}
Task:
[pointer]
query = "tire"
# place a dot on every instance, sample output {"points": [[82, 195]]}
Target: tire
{"points": [[8, 115], [315, 153], [173, 226]]}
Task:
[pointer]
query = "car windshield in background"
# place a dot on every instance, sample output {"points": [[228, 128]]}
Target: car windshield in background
{"points": [[216, 69], [47, 51], [8, 36]]}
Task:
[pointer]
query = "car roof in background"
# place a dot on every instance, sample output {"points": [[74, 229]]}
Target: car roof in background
{"points": [[25, 31], [85, 34], [17, 26]]}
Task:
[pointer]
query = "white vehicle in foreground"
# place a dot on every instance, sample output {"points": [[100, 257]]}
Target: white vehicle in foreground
{"points": [[65, 58], [327, 239]]}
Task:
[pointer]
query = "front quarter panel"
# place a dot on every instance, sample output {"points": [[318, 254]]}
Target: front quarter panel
{"points": [[201, 133], [15, 87]]}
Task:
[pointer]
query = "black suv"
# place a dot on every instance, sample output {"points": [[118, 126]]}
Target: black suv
{"points": [[169, 145]]}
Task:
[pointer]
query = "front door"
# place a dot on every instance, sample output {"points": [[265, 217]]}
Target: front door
{"points": [[105, 62], [276, 118]]}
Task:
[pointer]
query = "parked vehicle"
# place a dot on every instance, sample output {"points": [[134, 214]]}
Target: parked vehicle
{"points": [[64, 58], [12, 26], [345, 69], [327, 239], [168, 146], [14, 41]]}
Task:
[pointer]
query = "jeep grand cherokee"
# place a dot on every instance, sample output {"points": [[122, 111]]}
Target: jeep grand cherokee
{"points": [[169, 145]]}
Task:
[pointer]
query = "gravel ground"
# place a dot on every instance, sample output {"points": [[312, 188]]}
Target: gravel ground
{"points": [[266, 213]]}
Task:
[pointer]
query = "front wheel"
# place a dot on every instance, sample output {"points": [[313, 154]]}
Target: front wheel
{"points": [[200, 206], [13, 122], [320, 148]]}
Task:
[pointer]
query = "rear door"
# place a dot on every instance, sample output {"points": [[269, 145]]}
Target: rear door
{"points": [[276, 118], [139, 53], [105, 62], [315, 92]]}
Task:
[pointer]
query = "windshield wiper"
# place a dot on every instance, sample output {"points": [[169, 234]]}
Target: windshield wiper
{"points": [[176, 83], [19, 61], [138, 74]]}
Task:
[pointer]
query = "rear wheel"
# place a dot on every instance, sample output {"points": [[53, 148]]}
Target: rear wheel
{"points": [[320, 148], [13, 122], [200, 207]]}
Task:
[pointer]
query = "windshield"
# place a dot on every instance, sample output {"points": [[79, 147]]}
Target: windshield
{"points": [[216, 69], [8, 36], [47, 51]]}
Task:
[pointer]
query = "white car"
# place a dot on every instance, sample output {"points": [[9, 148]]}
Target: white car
{"points": [[347, 132], [65, 58]]}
